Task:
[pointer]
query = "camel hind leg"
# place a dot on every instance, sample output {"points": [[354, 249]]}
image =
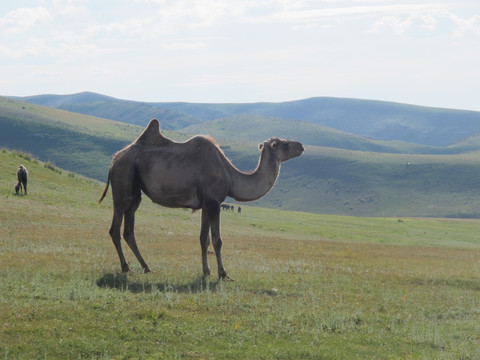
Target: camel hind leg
{"points": [[128, 230], [116, 238]]}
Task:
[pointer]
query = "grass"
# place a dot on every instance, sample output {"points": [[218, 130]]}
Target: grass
{"points": [[307, 286]]}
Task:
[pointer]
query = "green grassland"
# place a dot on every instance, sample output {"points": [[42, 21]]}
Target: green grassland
{"points": [[328, 180], [307, 286]]}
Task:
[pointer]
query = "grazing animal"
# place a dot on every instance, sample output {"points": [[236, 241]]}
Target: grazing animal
{"points": [[225, 207], [22, 177], [194, 174]]}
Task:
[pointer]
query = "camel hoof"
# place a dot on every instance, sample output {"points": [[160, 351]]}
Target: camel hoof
{"points": [[225, 278]]}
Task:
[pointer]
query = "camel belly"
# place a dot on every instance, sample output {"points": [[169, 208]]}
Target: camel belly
{"points": [[174, 198]]}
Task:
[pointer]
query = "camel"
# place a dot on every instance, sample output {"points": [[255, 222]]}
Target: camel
{"points": [[194, 174], [22, 177]]}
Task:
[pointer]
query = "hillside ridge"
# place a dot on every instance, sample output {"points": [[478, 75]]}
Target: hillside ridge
{"points": [[379, 120]]}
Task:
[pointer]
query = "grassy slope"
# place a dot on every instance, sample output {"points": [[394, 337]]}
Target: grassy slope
{"points": [[76, 142], [335, 181], [308, 286], [323, 180], [259, 128]]}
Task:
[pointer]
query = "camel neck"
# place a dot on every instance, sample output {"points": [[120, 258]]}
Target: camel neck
{"points": [[252, 186]]}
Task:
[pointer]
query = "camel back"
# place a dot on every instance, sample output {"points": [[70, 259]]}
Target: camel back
{"points": [[152, 135]]}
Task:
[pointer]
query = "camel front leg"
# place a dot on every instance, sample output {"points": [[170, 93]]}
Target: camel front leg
{"points": [[205, 241], [214, 219]]}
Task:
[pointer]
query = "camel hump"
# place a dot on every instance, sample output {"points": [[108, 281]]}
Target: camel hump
{"points": [[152, 135]]}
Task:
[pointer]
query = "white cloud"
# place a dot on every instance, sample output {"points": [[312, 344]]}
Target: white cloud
{"points": [[183, 45], [468, 25], [23, 19], [44, 74], [71, 7], [317, 13], [8, 53], [433, 20], [128, 28]]}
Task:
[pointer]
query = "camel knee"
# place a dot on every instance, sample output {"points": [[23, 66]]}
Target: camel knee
{"points": [[115, 234], [217, 244], [204, 242], [127, 234]]}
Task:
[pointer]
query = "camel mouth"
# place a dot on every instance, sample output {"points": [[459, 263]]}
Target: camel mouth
{"points": [[300, 149]]}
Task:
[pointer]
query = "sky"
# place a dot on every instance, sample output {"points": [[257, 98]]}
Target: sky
{"points": [[237, 51]]}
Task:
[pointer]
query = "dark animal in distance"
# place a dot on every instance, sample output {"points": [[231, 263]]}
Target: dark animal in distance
{"points": [[194, 174], [22, 178], [228, 207]]}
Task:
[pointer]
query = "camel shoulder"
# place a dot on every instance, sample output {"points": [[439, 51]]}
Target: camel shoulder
{"points": [[152, 135]]}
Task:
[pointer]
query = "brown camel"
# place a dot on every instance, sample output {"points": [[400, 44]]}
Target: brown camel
{"points": [[194, 174]]}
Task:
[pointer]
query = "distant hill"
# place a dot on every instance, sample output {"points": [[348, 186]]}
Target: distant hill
{"points": [[378, 120], [130, 112], [323, 180], [258, 128]]}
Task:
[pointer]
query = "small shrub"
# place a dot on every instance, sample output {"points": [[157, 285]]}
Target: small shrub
{"points": [[50, 166]]}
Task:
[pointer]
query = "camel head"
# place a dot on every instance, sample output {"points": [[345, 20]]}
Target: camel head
{"points": [[283, 150]]}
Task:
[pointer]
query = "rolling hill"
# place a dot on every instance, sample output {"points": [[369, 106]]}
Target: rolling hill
{"points": [[258, 128], [75, 142], [323, 180], [378, 120], [130, 112]]}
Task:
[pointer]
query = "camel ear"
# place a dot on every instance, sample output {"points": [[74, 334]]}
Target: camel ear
{"points": [[260, 146]]}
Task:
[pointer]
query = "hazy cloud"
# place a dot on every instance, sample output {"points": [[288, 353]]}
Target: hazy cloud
{"points": [[23, 19], [430, 21]]}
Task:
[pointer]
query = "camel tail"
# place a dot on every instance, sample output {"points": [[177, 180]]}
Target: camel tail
{"points": [[106, 189]]}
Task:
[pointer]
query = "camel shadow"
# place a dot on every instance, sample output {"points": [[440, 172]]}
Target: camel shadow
{"points": [[123, 282]]}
